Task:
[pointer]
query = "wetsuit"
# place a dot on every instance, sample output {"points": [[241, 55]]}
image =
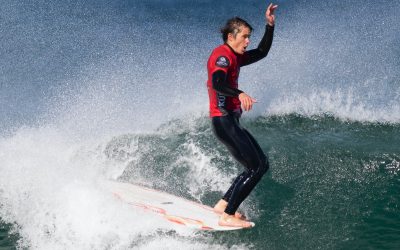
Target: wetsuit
{"points": [[225, 110]]}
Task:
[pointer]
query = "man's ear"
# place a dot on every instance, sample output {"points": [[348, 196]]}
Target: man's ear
{"points": [[230, 37]]}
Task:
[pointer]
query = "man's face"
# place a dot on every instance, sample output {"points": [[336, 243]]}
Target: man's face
{"points": [[241, 41]]}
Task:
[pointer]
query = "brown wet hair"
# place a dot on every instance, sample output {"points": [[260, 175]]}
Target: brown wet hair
{"points": [[234, 26]]}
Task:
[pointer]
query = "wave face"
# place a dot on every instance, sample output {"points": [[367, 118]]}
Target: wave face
{"points": [[97, 90], [332, 184]]}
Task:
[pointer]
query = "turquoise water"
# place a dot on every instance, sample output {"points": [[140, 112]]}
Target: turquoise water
{"points": [[7, 240], [332, 184], [97, 90]]}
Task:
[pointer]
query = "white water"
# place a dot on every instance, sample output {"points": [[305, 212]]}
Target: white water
{"points": [[51, 188]]}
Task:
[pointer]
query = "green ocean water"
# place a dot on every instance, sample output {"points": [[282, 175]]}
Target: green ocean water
{"points": [[7, 239], [332, 184]]}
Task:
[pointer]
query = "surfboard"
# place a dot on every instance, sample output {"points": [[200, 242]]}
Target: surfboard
{"points": [[167, 206]]}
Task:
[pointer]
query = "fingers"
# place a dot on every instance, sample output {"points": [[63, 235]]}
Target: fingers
{"points": [[270, 15], [250, 102], [267, 12], [245, 103], [271, 8]]}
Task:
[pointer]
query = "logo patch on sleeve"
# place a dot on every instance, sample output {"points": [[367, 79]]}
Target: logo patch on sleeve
{"points": [[222, 62]]}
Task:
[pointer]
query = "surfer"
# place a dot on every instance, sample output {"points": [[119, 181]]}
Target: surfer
{"points": [[226, 104]]}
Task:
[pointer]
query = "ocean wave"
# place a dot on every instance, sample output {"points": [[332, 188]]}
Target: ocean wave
{"points": [[344, 105]]}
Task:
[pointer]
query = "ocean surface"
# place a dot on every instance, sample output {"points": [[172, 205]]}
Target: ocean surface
{"points": [[98, 90]]}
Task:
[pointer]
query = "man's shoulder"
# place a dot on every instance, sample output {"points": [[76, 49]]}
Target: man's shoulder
{"points": [[221, 50], [221, 56]]}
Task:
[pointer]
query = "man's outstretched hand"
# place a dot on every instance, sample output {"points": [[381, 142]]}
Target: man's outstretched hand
{"points": [[270, 15]]}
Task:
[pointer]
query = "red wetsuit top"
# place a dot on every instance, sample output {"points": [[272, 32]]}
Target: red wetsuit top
{"points": [[223, 58], [223, 72]]}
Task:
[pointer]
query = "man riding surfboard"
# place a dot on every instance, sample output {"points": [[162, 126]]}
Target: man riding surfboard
{"points": [[227, 103]]}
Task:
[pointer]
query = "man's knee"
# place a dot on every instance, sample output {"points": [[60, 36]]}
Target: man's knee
{"points": [[259, 164]]}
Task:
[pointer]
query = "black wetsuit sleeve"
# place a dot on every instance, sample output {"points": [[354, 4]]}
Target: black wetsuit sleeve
{"points": [[220, 84], [262, 50]]}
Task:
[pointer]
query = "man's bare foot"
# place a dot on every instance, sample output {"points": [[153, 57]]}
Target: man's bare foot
{"points": [[231, 221], [219, 208]]}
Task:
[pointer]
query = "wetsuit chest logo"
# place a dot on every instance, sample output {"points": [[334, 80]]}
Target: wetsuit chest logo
{"points": [[222, 62]]}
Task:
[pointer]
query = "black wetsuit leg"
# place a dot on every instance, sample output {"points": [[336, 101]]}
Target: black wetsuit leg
{"points": [[245, 149]]}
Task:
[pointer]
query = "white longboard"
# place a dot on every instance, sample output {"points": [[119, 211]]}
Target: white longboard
{"points": [[170, 207]]}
